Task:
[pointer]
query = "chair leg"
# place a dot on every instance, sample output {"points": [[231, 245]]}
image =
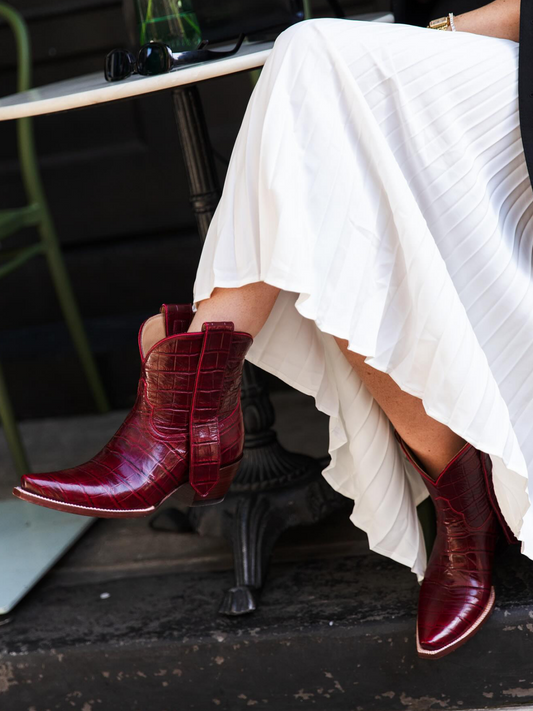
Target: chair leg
{"points": [[11, 431], [70, 310]]}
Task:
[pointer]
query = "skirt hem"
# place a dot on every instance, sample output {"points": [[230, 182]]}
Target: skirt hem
{"points": [[527, 515]]}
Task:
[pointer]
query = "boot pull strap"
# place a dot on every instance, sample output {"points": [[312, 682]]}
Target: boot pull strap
{"points": [[178, 318], [204, 431]]}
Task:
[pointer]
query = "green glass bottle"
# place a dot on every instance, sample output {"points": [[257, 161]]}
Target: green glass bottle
{"points": [[173, 22]]}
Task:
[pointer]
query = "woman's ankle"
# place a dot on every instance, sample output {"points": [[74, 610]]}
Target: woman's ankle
{"points": [[433, 460]]}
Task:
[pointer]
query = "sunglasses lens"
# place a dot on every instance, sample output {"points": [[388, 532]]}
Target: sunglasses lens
{"points": [[118, 65], [153, 59]]}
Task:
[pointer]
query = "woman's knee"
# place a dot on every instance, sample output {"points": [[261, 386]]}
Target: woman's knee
{"points": [[305, 34]]}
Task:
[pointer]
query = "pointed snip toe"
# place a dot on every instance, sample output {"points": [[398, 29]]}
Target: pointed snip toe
{"points": [[184, 436], [439, 645]]}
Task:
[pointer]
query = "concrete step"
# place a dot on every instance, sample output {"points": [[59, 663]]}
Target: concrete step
{"points": [[333, 634], [128, 620]]}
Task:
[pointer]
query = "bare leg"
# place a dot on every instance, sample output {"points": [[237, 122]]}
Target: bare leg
{"points": [[248, 307], [431, 442]]}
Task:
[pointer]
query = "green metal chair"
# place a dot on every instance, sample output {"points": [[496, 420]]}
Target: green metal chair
{"points": [[37, 214]]}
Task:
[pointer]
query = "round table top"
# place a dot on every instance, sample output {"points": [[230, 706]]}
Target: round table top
{"points": [[94, 89]]}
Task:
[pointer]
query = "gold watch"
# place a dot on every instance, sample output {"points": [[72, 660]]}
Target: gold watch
{"points": [[441, 23]]}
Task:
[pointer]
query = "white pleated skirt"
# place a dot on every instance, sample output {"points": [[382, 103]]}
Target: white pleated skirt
{"points": [[378, 179]]}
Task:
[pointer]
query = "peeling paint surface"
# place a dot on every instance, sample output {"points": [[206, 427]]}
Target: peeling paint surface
{"points": [[7, 678], [303, 695], [518, 693], [423, 703], [286, 656]]}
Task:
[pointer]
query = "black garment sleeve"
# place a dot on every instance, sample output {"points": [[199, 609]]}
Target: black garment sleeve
{"points": [[525, 81]]}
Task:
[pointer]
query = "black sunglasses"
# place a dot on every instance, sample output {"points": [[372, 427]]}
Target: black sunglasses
{"points": [[157, 58]]}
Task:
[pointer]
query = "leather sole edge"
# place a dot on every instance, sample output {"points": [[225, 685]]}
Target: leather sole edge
{"points": [[184, 493], [55, 505]]}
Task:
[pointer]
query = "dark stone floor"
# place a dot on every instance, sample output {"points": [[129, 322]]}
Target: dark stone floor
{"points": [[334, 633], [128, 619]]}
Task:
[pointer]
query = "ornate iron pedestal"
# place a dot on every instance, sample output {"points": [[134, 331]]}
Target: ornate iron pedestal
{"points": [[274, 489]]}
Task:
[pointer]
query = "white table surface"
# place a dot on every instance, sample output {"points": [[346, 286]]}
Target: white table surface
{"points": [[93, 89]]}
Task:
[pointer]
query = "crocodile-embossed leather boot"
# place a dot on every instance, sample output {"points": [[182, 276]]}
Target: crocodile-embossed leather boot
{"points": [[184, 435], [457, 596]]}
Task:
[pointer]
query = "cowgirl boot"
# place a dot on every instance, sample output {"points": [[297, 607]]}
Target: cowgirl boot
{"points": [[456, 596], [184, 435]]}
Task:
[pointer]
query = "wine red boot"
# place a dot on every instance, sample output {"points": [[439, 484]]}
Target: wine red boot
{"points": [[456, 596], [184, 435]]}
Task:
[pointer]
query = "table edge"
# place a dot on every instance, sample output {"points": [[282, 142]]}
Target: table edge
{"points": [[94, 97]]}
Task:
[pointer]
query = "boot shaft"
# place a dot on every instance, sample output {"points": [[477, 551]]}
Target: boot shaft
{"points": [[460, 493], [200, 370]]}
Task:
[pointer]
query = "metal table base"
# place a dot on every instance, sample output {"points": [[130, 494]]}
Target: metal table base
{"points": [[274, 489]]}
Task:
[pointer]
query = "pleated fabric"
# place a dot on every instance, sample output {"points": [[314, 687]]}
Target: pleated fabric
{"points": [[378, 179]]}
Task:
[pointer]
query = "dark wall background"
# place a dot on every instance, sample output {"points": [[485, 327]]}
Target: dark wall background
{"points": [[118, 192]]}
